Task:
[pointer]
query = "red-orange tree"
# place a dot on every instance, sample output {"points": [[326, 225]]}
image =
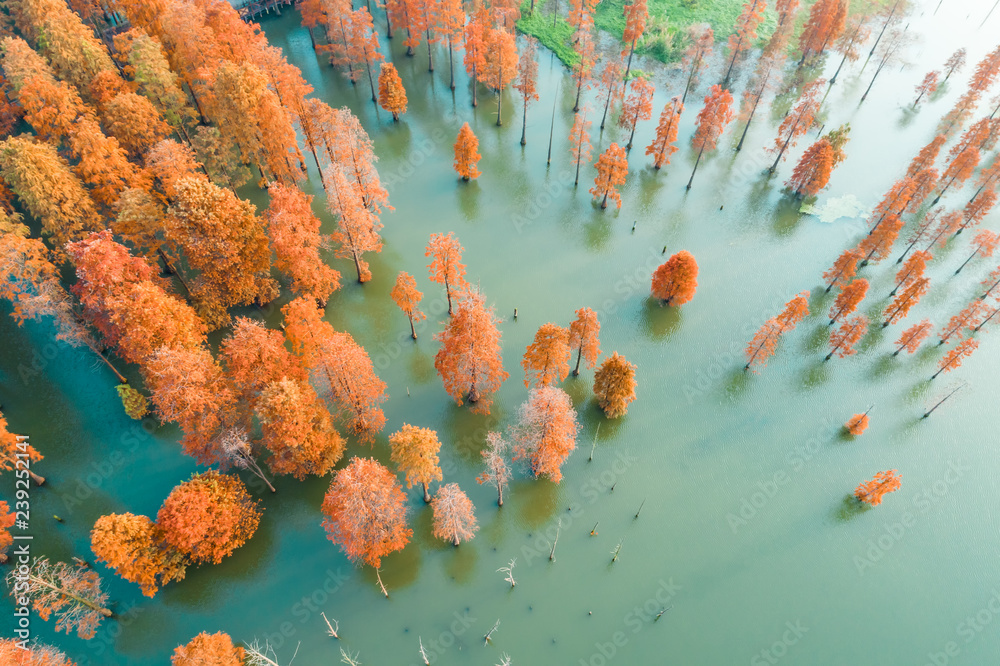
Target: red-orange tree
{"points": [[208, 517], [638, 105], [843, 269], [812, 173], [826, 21], [798, 121], [612, 169], [904, 300], [579, 142], [912, 270], [135, 548], [675, 281], [357, 226], [296, 241], [415, 453], [546, 359], [745, 32], [636, 16], [912, 337], [467, 153], [496, 470], [469, 360], [545, 433], [954, 357], [926, 87], [205, 648], [872, 492], [406, 295], [297, 429], [848, 299], [712, 121], [527, 80], [14, 652], [339, 366], [391, 95], [584, 332], [664, 144], [614, 385], [702, 39], [454, 515], [765, 342], [857, 424], [501, 64], [446, 265], [365, 511], [843, 339]]}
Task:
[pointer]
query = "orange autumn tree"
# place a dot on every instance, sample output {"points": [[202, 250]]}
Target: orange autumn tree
{"points": [[357, 226], [872, 492], [857, 424], [584, 49], [812, 173], [878, 244], [297, 429], [609, 83], [675, 280], [205, 648], [827, 19], [475, 47], [912, 337], [469, 360], [14, 652], [761, 82], [636, 15], [136, 549], [614, 385], [407, 297], [446, 265], [545, 433], [664, 144], [843, 269], [349, 147], [584, 332], [527, 80], [702, 39], [983, 245], [224, 240], [968, 319], [449, 26], [843, 339], [467, 153], [500, 64], [712, 121], [11, 446], [745, 32], [71, 593], [365, 512], [255, 356], [296, 241], [546, 359], [904, 301], [579, 142], [208, 517], [612, 169], [954, 357], [391, 95], [765, 342], [848, 299], [454, 515], [798, 121], [415, 453], [638, 105], [339, 367], [926, 87]]}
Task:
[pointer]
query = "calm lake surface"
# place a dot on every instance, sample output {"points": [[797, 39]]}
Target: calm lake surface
{"points": [[744, 535]]}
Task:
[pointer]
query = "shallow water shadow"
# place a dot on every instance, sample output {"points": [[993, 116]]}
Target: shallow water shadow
{"points": [[659, 323], [818, 301], [401, 138], [400, 569], [883, 367], [468, 200], [460, 564], [597, 230], [918, 392], [537, 501], [786, 215], [816, 375], [849, 508], [817, 339], [421, 366], [735, 385], [844, 435]]}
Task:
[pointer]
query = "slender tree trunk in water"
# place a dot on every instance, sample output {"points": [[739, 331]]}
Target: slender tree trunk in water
{"points": [[447, 293], [430, 52], [475, 80], [552, 129], [500, 107], [577, 181], [388, 24], [628, 66], [499, 494], [357, 264], [877, 72], [695, 170], [120, 376], [451, 63], [753, 111], [427, 497], [579, 355], [732, 61], [846, 51], [579, 87], [687, 86], [413, 331], [879, 38], [631, 136], [784, 146], [604, 201], [988, 13], [987, 292], [971, 257], [371, 82], [524, 121], [607, 104]]}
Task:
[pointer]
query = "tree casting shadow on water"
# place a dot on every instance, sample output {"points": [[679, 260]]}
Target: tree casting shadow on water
{"points": [[849, 508], [659, 323]]}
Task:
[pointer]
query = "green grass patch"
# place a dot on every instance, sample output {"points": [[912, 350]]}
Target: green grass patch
{"points": [[554, 35]]}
